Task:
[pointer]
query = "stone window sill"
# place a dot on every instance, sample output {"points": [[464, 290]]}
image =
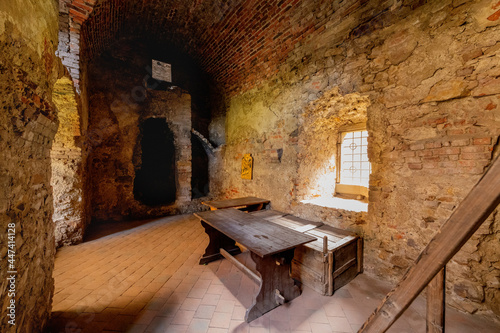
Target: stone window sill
{"points": [[339, 203], [351, 191]]}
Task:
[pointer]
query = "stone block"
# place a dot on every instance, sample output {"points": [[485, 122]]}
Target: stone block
{"points": [[486, 87], [475, 156], [481, 141], [474, 149], [460, 142], [415, 166], [413, 160], [446, 90], [417, 146]]}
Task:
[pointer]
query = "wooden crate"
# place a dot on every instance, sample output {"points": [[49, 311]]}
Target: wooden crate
{"points": [[325, 265]]}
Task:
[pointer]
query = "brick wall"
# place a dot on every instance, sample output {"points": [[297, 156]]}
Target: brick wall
{"points": [[28, 124], [239, 43]]}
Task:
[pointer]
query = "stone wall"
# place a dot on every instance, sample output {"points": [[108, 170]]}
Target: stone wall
{"points": [[28, 71], [425, 71], [430, 78], [122, 95], [68, 161]]}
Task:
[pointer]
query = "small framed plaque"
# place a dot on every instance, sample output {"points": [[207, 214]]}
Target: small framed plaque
{"points": [[247, 166], [162, 71]]}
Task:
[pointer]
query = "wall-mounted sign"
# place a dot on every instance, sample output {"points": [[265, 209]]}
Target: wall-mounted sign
{"points": [[162, 71], [247, 166]]}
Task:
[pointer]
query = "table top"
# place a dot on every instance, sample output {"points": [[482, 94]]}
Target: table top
{"points": [[246, 201], [256, 234]]}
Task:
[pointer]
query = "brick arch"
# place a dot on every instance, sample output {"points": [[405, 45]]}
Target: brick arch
{"points": [[240, 43]]}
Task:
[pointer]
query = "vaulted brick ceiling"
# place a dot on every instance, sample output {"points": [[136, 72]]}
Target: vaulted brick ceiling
{"points": [[232, 40], [238, 42]]}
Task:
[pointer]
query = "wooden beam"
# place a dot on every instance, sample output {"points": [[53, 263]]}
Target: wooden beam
{"points": [[454, 233], [436, 303], [247, 271]]}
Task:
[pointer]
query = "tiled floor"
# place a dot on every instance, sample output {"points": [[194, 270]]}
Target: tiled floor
{"points": [[147, 279]]}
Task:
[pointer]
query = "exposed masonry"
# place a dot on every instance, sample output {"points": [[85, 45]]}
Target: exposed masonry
{"points": [[240, 43], [28, 125], [433, 117], [68, 167], [430, 72]]}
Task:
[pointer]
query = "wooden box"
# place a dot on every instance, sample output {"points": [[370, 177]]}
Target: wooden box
{"points": [[328, 263], [324, 265]]}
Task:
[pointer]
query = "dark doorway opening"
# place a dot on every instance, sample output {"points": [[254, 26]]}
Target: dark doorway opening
{"points": [[154, 182], [199, 178]]}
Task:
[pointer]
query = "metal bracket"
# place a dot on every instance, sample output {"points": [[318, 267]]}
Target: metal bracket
{"points": [[280, 300]]}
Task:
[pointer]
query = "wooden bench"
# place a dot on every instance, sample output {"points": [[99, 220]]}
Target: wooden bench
{"points": [[328, 263], [271, 247], [246, 203]]}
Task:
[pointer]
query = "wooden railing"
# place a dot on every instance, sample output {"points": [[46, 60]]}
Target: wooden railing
{"points": [[430, 265]]}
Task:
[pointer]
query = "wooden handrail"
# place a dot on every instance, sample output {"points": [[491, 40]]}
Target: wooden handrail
{"points": [[453, 234]]}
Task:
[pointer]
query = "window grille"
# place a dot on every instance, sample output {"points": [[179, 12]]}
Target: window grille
{"points": [[355, 167]]}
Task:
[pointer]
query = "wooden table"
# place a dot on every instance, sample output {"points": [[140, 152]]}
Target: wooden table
{"points": [[271, 246], [248, 203]]}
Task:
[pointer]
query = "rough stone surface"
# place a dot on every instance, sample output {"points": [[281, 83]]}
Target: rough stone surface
{"points": [[424, 76], [433, 118], [28, 124], [121, 97], [68, 163]]}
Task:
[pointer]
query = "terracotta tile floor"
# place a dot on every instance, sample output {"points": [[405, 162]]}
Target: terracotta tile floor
{"points": [[147, 279]]}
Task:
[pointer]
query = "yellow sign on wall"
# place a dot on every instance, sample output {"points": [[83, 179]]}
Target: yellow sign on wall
{"points": [[247, 166]]}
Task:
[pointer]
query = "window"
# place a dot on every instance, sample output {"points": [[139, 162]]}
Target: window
{"points": [[353, 171]]}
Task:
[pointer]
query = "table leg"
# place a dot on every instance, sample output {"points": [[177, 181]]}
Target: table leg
{"points": [[217, 241], [276, 287]]}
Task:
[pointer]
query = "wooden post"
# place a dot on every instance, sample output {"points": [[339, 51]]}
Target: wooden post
{"points": [[360, 255], [325, 245], [454, 233], [328, 267], [436, 303], [329, 278]]}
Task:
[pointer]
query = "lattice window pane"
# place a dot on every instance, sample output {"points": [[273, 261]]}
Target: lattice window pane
{"points": [[355, 168]]}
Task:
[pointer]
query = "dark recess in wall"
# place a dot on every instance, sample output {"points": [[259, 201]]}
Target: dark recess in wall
{"points": [[199, 178], [154, 183]]}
